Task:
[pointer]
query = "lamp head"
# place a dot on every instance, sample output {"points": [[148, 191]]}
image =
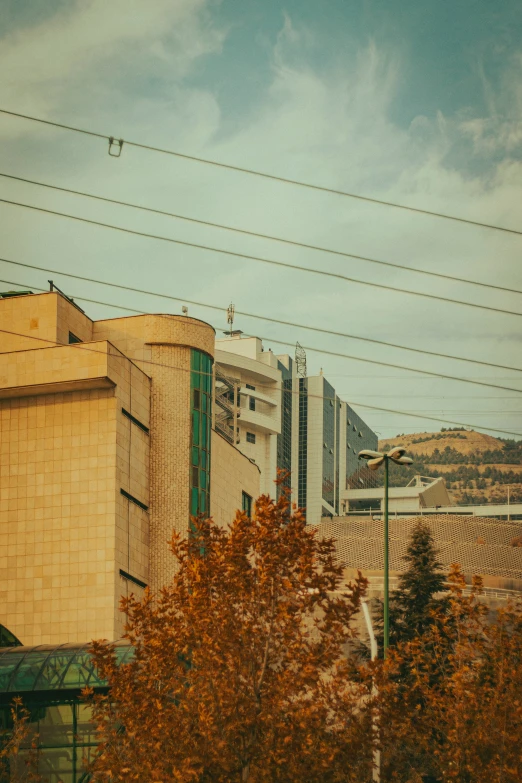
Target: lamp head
{"points": [[404, 461], [369, 454], [396, 452]]}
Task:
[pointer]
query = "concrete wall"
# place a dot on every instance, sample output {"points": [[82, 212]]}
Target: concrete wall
{"points": [[231, 474], [161, 345], [41, 317], [64, 530]]}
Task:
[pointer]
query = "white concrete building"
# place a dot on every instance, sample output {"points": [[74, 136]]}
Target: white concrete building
{"points": [[282, 420], [257, 378]]}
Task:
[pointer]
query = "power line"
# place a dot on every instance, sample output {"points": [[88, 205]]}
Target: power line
{"points": [[324, 351], [264, 175], [84, 347], [259, 259], [246, 232], [433, 418], [265, 318]]}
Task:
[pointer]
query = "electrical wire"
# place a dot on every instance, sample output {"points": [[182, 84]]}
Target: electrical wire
{"points": [[258, 259], [83, 346], [317, 350], [246, 232], [264, 175], [264, 317]]}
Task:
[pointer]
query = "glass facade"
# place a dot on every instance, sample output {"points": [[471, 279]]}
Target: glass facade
{"points": [[201, 400], [284, 440], [329, 411], [303, 444], [358, 436], [49, 680]]}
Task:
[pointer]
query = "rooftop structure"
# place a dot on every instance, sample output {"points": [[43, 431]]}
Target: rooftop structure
{"points": [[422, 492]]}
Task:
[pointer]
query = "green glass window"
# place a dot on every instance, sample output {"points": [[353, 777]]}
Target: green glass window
{"points": [[246, 504], [201, 397]]}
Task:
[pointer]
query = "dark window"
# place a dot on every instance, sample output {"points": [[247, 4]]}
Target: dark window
{"points": [[284, 439], [135, 421], [303, 443], [134, 500], [251, 438], [330, 415], [73, 339], [246, 504], [252, 403], [133, 579], [249, 386], [197, 399]]}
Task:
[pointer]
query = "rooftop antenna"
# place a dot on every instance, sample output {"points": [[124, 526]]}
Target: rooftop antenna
{"points": [[300, 360], [230, 317]]}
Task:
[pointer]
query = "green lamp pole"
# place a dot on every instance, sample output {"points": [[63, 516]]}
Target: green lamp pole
{"points": [[386, 562], [374, 460]]}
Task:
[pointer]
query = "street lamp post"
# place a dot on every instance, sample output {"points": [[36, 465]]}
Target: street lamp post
{"points": [[374, 460]]}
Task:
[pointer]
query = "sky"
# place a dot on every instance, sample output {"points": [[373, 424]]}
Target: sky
{"points": [[410, 101]]}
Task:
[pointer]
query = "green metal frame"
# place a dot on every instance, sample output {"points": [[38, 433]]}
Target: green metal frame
{"points": [[201, 412], [50, 680]]}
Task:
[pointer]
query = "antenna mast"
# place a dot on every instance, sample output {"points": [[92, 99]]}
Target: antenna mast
{"points": [[300, 360], [230, 317]]}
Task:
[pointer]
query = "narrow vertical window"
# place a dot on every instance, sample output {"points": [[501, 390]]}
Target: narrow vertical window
{"points": [[246, 504]]}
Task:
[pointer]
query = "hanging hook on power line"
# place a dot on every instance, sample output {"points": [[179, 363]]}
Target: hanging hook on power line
{"points": [[115, 147]]}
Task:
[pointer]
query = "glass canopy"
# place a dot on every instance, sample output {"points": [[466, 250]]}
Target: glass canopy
{"points": [[50, 667]]}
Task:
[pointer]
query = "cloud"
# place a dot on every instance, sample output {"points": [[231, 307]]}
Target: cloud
{"points": [[322, 120], [100, 46]]}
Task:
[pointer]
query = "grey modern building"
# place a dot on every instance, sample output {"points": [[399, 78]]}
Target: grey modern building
{"points": [[330, 436]]}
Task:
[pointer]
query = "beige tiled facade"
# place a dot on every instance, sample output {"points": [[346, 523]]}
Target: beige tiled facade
{"points": [[232, 474], [95, 442]]}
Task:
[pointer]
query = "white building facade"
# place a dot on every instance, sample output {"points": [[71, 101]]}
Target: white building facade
{"points": [[257, 380], [285, 422]]}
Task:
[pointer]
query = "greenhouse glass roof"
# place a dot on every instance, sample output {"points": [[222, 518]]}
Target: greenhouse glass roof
{"points": [[49, 667]]}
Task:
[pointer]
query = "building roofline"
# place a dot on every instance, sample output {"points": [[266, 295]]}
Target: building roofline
{"points": [[157, 315]]}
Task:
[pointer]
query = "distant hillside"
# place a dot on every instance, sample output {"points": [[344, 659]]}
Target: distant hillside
{"points": [[476, 466]]}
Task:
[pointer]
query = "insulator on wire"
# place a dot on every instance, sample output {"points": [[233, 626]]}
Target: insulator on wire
{"points": [[115, 147]]}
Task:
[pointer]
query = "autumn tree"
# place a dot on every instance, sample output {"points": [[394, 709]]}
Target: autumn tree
{"points": [[460, 717], [238, 671], [18, 747]]}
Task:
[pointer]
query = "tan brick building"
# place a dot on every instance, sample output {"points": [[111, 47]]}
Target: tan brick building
{"points": [[105, 448]]}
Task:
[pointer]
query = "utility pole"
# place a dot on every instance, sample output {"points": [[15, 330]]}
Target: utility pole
{"points": [[386, 562], [374, 460]]}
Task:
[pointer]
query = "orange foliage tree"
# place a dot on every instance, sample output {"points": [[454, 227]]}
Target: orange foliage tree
{"points": [[19, 747], [457, 716], [238, 673]]}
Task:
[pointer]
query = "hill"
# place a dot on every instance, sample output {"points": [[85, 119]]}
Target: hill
{"points": [[477, 467]]}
